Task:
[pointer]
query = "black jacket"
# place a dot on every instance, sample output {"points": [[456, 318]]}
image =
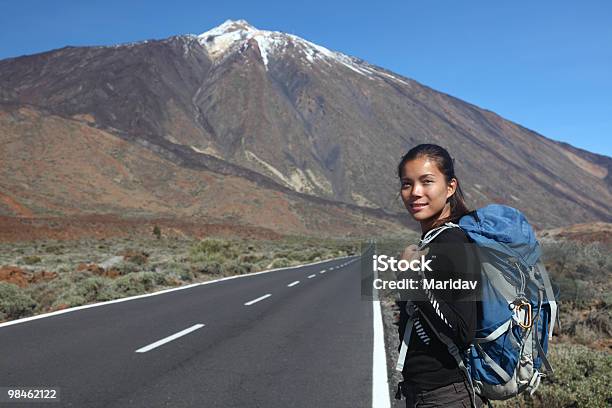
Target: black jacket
{"points": [[428, 363]]}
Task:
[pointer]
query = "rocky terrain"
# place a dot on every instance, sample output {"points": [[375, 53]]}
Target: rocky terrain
{"points": [[51, 167]]}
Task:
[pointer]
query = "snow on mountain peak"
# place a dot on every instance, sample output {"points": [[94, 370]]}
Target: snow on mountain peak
{"points": [[230, 26], [220, 39], [235, 35]]}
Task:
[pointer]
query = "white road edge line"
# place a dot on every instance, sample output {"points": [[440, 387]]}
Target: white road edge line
{"points": [[380, 384], [293, 284], [161, 292], [311, 276], [169, 338], [250, 302]]}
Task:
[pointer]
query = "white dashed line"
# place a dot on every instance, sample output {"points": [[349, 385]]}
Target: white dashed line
{"points": [[169, 338], [311, 276], [293, 283], [323, 271], [249, 303]]}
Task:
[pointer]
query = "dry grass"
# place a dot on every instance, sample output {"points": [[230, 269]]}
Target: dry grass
{"points": [[91, 270]]}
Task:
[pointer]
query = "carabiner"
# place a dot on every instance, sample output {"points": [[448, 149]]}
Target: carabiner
{"points": [[528, 316]]}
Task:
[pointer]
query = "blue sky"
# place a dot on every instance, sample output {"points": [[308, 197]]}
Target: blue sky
{"points": [[544, 64]]}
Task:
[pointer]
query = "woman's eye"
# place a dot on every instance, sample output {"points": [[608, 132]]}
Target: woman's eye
{"points": [[428, 182], [405, 184]]}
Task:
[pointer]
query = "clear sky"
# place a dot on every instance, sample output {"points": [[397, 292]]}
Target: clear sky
{"points": [[546, 65]]}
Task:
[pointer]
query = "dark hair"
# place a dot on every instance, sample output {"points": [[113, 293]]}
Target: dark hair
{"points": [[445, 164]]}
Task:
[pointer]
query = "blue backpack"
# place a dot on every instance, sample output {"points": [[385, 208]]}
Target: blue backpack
{"points": [[518, 308]]}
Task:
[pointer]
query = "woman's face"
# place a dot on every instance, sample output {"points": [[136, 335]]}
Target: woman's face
{"points": [[424, 191]]}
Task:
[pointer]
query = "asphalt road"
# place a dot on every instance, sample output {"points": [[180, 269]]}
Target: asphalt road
{"points": [[306, 345]]}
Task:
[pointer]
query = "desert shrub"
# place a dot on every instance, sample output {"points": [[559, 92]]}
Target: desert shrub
{"points": [[31, 259], [250, 258], [237, 268], [279, 263], [94, 288], [584, 334], [69, 299], [136, 257], [170, 263], [73, 290], [577, 291], [582, 273], [55, 249], [209, 267], [219, 258], [175, 267], [581, 379], [47, 294], [203, 256], [283, 253], [600, 320], [138, 283], [14, 302], [131, 284], [587, 326], [585, 261], [127, 267], [186, 275], [307, 255], [212, 246]]}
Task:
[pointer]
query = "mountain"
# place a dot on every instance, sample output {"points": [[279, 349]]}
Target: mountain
{"points": [[289, 116], [52, 167]]}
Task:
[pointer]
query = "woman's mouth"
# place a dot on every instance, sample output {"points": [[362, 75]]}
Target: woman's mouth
{"points": [[416, 207]]}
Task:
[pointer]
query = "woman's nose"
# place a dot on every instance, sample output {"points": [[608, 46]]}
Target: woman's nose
{"points": [[417, 190]]}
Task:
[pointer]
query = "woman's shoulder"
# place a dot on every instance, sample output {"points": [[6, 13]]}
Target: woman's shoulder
{"points": [[451, 236], [454, 242], [454, 246]]}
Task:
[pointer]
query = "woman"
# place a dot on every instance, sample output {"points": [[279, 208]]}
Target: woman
{"points": [[431, 193]]}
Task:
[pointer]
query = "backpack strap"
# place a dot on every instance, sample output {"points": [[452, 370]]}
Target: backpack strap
{"points": [[404, 349], [550, 296], [433, 233], [542, 354], [454, 351], [534, 383], [405, 341]]}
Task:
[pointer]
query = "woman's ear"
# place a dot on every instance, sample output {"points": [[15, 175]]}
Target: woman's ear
{"points": [[451, 187]]}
